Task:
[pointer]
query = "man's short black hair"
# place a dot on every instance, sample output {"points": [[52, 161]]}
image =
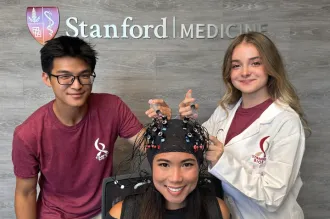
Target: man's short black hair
{"points": [[66, 46]]}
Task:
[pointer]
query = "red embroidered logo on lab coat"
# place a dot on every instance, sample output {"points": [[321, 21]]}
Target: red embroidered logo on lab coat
{"points": [[260, 157]]}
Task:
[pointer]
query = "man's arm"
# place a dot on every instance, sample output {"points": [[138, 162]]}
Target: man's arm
{"points": [[25, 198], [132, 140]]}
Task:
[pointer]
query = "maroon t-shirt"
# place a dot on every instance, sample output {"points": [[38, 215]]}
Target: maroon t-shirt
{"points": [[72, 160], [244, 118]]}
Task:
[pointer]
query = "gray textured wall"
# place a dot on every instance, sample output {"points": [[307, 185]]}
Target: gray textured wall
{"points": [[138, 69]]}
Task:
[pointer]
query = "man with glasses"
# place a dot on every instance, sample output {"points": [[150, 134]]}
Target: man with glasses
{"points": [[69, 140]]}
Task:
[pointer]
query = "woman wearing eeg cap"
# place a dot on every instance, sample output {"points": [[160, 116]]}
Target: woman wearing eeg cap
{"points": [[175, 151]]}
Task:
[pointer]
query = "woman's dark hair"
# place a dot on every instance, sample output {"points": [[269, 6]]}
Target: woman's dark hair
{"points": [[153, 204], [66, 46]]}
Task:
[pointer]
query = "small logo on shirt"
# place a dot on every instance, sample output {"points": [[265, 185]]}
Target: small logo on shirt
{"points": [[102, 154], [260, 157]]}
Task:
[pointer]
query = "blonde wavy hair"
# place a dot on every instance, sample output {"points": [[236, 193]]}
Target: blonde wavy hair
{"points": [[279, 87]]}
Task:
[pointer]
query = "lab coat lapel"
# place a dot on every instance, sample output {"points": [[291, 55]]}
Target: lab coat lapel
{"points": [[224, 124], [253, 129], [266, 117], [228, 123]]}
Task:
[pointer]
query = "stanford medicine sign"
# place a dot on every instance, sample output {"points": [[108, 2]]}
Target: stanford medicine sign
{"points": [[166, 28]]}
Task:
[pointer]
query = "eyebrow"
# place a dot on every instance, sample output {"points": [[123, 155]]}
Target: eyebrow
{"points": [[186, 160], [251, 59], [71, 73]]}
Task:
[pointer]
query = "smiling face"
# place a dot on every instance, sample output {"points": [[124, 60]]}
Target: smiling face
{"points": [[248, 72], [175, 176], [74, 95]]}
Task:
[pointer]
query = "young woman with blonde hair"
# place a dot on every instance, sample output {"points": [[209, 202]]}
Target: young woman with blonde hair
{"points": [[258, 131]]}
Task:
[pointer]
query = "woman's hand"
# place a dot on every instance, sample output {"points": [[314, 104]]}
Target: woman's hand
{"points": [[161, 105], [214, 152], [187, 108]]}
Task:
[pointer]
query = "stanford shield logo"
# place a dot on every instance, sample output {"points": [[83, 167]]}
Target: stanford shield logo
{"points": [[43, 22]]}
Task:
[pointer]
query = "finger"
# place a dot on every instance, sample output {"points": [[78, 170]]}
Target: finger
{"points": [[151, 110], [166, 111], [213, 155], [186, 114], [210, 157], [213, 148], [188, 94], [214, 140], [184, 109], [186, 99], [158, 104], [157, 101], [151, 113], [186, 102], [215, 145]]}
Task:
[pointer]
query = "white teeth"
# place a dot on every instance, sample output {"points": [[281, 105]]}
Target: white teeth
{"points": [[174, 189]]}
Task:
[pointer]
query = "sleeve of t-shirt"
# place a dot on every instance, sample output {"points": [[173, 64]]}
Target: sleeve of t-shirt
{"points": [[129, 125], [24, 157]]}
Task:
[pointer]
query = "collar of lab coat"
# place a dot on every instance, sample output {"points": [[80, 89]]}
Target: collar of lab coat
{"points": [[271, 112], [266, 117]]}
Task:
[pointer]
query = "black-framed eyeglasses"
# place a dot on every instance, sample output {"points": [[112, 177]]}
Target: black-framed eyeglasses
{"points": [[84, 79]]}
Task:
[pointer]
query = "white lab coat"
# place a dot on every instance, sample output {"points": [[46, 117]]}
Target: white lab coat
{"points": [[260, 174]]}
